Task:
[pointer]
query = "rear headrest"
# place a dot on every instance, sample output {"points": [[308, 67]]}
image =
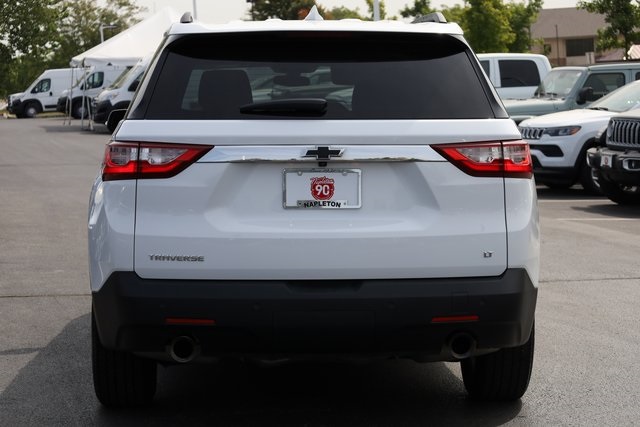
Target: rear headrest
{"points": [[223, 92]]}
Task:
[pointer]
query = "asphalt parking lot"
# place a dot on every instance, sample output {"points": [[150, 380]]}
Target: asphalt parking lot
{"points": [[587, 336]]}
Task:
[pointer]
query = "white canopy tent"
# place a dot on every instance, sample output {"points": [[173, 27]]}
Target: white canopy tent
{"points": [[125, 48], [131, 45]]}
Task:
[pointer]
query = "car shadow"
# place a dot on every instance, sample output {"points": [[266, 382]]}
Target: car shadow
{"points": [[63, 125], [610, 210], [56, 388], [575, 192]]}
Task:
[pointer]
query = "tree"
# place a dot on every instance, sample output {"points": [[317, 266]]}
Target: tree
{"points": [[419, 8], [79, 26], [342, 12], [488, 14], [456, 14], [622, 17], [27, 28], [36, 35], [521, 17], [283, 9]]}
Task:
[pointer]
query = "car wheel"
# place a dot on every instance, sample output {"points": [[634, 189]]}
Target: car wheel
{"points": [[621, 194], [78, 111], [503, 375], [31, 110], [589, 180], [121, 379]]}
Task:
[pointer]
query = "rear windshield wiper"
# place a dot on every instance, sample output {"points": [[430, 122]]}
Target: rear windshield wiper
{"points": [[288, 107], [599, 108]]}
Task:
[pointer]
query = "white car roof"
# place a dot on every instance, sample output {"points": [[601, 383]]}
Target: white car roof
{"points": [[327, 25]]}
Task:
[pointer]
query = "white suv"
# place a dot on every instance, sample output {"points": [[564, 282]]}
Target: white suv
{"points": [[398, 219]]}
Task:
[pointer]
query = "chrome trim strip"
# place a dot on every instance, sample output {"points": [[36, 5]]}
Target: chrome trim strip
{"points": [[296, 153]]}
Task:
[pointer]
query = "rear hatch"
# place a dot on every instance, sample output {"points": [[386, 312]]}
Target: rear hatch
{"points": [[318, 156]]}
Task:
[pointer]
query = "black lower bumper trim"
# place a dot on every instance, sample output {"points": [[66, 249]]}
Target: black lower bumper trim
{"points": [[615, 171], [314, 317]]}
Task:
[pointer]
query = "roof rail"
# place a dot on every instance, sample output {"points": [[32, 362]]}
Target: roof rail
{"points": [[430, 17], [186, 18]]}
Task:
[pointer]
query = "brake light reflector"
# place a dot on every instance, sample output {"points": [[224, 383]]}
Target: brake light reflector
{"points": [[141, 160], [510, 159], [455, 319]]}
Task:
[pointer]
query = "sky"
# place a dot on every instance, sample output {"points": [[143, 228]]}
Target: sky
{"points": [[221, 11]]}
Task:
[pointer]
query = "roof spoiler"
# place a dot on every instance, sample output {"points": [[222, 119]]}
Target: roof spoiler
{"points": [[430, 17]]}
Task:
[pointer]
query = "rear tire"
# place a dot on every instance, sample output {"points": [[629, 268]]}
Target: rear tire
{"points": [[78, 111], [621, 194], [121, 379], [500, 376]]}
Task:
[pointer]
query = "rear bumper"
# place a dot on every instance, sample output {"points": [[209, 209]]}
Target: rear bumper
{"points": [[372, 317]]}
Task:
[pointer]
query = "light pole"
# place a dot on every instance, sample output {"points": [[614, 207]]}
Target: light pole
{"points": [[103, 27], [195, 11], [557, 47]]}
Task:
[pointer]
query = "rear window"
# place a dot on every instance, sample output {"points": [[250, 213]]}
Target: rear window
{"points": [[518, 72], [352, 75]]}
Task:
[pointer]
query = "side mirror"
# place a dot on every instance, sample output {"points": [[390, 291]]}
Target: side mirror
{"points": [[133, 86], [115, 117], [584, 95]]}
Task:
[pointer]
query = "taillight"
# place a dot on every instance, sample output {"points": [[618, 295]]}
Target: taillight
{"points": [[141, 160], [510, 159]]}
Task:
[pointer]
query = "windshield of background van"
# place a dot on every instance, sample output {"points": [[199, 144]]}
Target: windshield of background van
{"points": [[316, 75]]}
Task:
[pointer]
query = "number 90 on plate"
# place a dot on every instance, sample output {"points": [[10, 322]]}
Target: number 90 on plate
{"points": [[322, 188]]}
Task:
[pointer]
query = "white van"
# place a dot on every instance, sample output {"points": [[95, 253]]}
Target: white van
{"points": [[515, 75], [118, 96], [99, 78], [42, 95]]}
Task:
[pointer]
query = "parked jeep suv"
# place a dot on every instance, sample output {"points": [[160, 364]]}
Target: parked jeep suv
{"points": [[617, 162], [400, 221], [559, 141]]}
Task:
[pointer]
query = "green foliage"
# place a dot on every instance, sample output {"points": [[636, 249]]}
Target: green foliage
{"points": [[455, 14], [27, 31], [283, 9], [483, 15], [80, 25], [521, 17], [43, 34], [298, 9], [419, 8], [621, 16], [509, 23], [342, 12]]}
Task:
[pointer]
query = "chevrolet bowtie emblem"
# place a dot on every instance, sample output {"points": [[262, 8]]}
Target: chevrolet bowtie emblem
{"points": [[324, 153]]}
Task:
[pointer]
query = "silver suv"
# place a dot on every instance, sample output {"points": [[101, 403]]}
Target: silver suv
{"points": [[390, 212]]}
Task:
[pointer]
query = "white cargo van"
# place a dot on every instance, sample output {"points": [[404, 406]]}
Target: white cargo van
{"points": [[118, 96], [99, 78], [42, 95], [515, 75]]}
